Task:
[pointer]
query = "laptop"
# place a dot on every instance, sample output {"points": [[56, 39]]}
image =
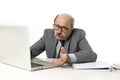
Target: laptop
{"points": [[15, 49]]}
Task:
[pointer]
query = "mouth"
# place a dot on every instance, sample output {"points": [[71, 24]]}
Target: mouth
{"points": [[59, 36]]}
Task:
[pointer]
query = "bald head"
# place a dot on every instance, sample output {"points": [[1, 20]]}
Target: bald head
{"points": [[65, 18], [63, 26]]}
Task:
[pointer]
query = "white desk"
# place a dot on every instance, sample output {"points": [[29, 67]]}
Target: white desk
{"points": [[66, 73]]}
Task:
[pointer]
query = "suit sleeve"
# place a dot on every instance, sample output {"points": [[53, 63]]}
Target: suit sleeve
{"points": [[85, 53], [38, 47]]}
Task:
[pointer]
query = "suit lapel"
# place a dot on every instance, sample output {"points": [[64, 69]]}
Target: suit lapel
{"points": [[67, 43]]}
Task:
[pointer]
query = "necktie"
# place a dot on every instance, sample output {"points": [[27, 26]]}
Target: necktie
{"points": [[62, 43], [58, 48]]}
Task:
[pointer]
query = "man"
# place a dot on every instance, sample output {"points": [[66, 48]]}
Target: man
{"points": [[75, 47]]}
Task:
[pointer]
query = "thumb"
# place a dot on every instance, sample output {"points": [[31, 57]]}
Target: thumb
{"points": [[62, 50]]}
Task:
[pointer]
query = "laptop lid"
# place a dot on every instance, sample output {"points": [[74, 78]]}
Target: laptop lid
{"points": [[15, 51], [14, 46]]}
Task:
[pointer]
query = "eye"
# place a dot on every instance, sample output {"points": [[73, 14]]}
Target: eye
{"points": [[65, 28]]}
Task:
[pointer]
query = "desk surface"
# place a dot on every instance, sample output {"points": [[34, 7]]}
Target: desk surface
{"points": [[60, 73]]}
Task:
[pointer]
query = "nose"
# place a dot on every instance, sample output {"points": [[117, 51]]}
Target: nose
{"points": [[60, 30]]}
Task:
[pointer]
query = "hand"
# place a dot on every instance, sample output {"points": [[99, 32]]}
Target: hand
{"points": [[63, 58]]}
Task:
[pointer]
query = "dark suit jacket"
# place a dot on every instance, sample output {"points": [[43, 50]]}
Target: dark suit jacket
{"points": [[75, 44]]}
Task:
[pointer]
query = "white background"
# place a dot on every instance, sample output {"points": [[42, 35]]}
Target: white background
{"points": [[99, 18]]}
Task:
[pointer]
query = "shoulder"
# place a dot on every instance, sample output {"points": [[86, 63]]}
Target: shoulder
{"points": [[48, 32], [77, 35], [77, 31]]}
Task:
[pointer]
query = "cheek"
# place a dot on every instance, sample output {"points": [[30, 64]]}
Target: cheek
{"points": [[55, 32], [66, 34]]}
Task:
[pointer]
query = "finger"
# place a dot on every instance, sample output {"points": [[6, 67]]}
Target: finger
{"points": [[62, 50], [55, 61]]}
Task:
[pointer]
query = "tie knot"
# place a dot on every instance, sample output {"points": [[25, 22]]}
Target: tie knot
{"points": [[62, 42]]}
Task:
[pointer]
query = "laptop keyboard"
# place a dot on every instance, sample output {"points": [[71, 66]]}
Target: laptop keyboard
{"points": [[36, 65]]}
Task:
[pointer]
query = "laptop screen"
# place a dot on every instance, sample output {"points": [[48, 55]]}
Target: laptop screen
{"points": [[14, 46]]}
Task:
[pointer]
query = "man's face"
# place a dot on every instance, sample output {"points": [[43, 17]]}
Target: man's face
{"points": [[62, 28]]}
